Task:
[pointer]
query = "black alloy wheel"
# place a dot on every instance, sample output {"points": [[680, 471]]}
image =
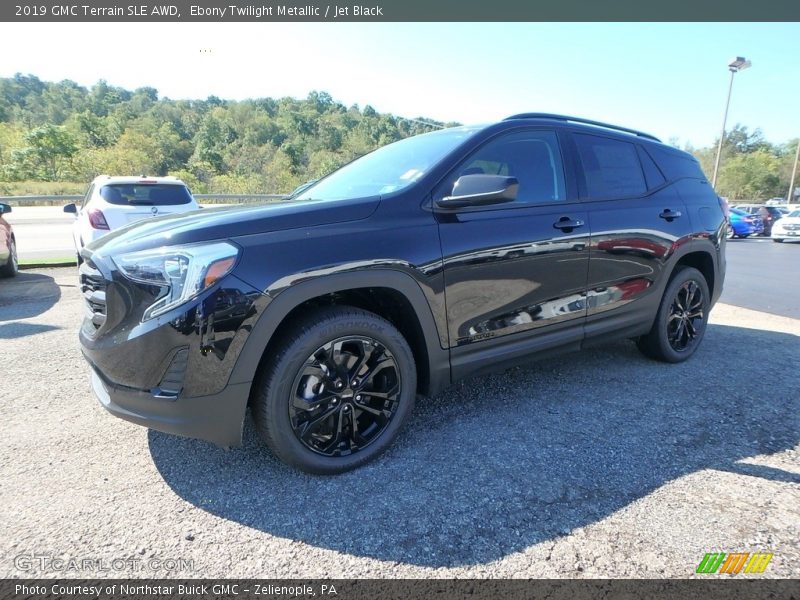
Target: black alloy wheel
{"points": [[681, 320], [345, 396], [335, 391], [686, 316]]}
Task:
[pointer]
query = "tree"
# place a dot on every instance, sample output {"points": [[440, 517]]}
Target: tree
{"points": [[50, 146], [750, 176]]}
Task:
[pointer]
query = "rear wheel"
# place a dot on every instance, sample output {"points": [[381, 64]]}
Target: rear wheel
{"points": [[337, 392], [730, 233], [11, 268], [681, 319]]}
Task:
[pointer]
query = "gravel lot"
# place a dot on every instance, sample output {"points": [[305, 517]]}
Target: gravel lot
{"points": [[601, 464]]}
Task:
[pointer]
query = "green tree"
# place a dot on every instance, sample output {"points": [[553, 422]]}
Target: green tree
{"points": [[50, 146]]}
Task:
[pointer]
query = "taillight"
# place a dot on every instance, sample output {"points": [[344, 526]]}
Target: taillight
{"points": [[97, 220]]}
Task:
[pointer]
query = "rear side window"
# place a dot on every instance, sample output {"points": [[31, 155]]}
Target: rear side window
{"points": [[652, 175], [676, 164], [611, 167], [145, 194]]}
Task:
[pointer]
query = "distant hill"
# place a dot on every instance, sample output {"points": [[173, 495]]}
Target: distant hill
{"points": [[64, 132]]}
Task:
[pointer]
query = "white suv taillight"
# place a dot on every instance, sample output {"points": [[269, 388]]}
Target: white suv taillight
{"points": [[97, 220]]}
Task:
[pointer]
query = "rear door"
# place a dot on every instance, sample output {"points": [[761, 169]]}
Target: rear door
{"points": [[516, 267], [637, 222]]}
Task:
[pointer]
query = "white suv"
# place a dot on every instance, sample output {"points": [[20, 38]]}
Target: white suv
{"points": [[112, 202]]}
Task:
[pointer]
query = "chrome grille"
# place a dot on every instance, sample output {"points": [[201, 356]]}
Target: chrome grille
{"points": [[93, 288]]}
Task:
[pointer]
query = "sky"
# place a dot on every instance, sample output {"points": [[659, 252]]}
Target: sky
{"points": [[668, 79]]}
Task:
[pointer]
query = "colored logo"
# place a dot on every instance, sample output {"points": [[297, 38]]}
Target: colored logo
{"points": [[734, 563]]}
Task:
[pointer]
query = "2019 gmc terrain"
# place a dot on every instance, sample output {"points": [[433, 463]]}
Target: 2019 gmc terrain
{"points": [[433, 258]]}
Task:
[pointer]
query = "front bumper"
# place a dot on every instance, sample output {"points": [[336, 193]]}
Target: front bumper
{"points": [[217, 418]]}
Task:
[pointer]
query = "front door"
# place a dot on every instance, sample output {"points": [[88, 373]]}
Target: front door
{"points": [[520, 266]]}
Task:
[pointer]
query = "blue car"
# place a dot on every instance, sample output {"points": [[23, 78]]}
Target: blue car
{"points": [[742, 224]]}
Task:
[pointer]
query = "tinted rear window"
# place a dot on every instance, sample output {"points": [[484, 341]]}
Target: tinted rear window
{"points": [[611, 167], [676, 164], [651, 173], [145, 194]]}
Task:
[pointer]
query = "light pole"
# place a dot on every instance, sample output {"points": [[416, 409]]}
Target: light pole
{"points": [[737, 64], [790, 197]]}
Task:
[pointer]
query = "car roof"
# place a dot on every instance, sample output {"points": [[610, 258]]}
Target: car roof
{"points": [[128, 179], [582, 123]]}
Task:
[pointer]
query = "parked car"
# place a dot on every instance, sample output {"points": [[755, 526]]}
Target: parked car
{"points": [[9, 264], [434, 258], [112, 202], [742, 224], [767, 214], [787, 228]]}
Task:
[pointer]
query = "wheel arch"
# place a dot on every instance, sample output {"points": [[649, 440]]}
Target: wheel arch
{"points": [[393, 295], [703, 261]]}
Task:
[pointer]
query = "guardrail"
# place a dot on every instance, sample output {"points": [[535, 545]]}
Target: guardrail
{"points": [[60, 200]]}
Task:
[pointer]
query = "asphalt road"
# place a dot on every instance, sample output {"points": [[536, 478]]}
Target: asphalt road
{"points": [[42, 232], [600, 464], [763, 275]]}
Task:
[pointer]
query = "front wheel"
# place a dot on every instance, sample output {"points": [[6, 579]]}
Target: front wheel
{"points": [[337, 392], [681, 319]]}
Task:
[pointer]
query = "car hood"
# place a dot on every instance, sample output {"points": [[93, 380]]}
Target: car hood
{"points": [[230, 222], [788, 220]]}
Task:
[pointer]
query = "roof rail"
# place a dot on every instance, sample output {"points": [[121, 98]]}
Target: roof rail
{"points": [[566, 119]]}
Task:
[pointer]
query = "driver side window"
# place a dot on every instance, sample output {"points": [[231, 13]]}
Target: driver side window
{"points": [[533, 157]]}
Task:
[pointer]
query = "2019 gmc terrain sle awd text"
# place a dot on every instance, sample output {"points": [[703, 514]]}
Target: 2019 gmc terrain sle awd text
{"points": [[433, 258]]}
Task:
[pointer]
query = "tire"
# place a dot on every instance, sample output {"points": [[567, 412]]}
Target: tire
{"points": [[730, 233], [298, 407], [11, 268], [777, 240], [675, 334]]}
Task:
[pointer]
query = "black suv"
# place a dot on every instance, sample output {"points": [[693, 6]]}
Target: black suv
{"points": [[433, 258]]}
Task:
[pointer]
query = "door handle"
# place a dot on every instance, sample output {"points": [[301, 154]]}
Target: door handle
{"points": [[567, 224], [669, 214]]}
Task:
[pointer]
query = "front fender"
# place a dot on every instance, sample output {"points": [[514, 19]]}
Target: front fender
{"points": [[279, 306]]}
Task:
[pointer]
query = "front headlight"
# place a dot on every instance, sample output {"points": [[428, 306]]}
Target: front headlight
{"points": [[182, 272]]}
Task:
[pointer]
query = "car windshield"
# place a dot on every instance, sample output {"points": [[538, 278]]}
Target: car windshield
{"points": [[794, 213], [147, 194], [390, 168]]}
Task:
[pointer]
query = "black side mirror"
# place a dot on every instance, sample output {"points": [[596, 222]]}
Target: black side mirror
{"points": [[5, 208], [481, 190], [71, 208]]}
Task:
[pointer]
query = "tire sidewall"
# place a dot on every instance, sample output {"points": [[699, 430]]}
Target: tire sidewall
{"points": [[681, 277], [13, 260], [278, 395]]}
